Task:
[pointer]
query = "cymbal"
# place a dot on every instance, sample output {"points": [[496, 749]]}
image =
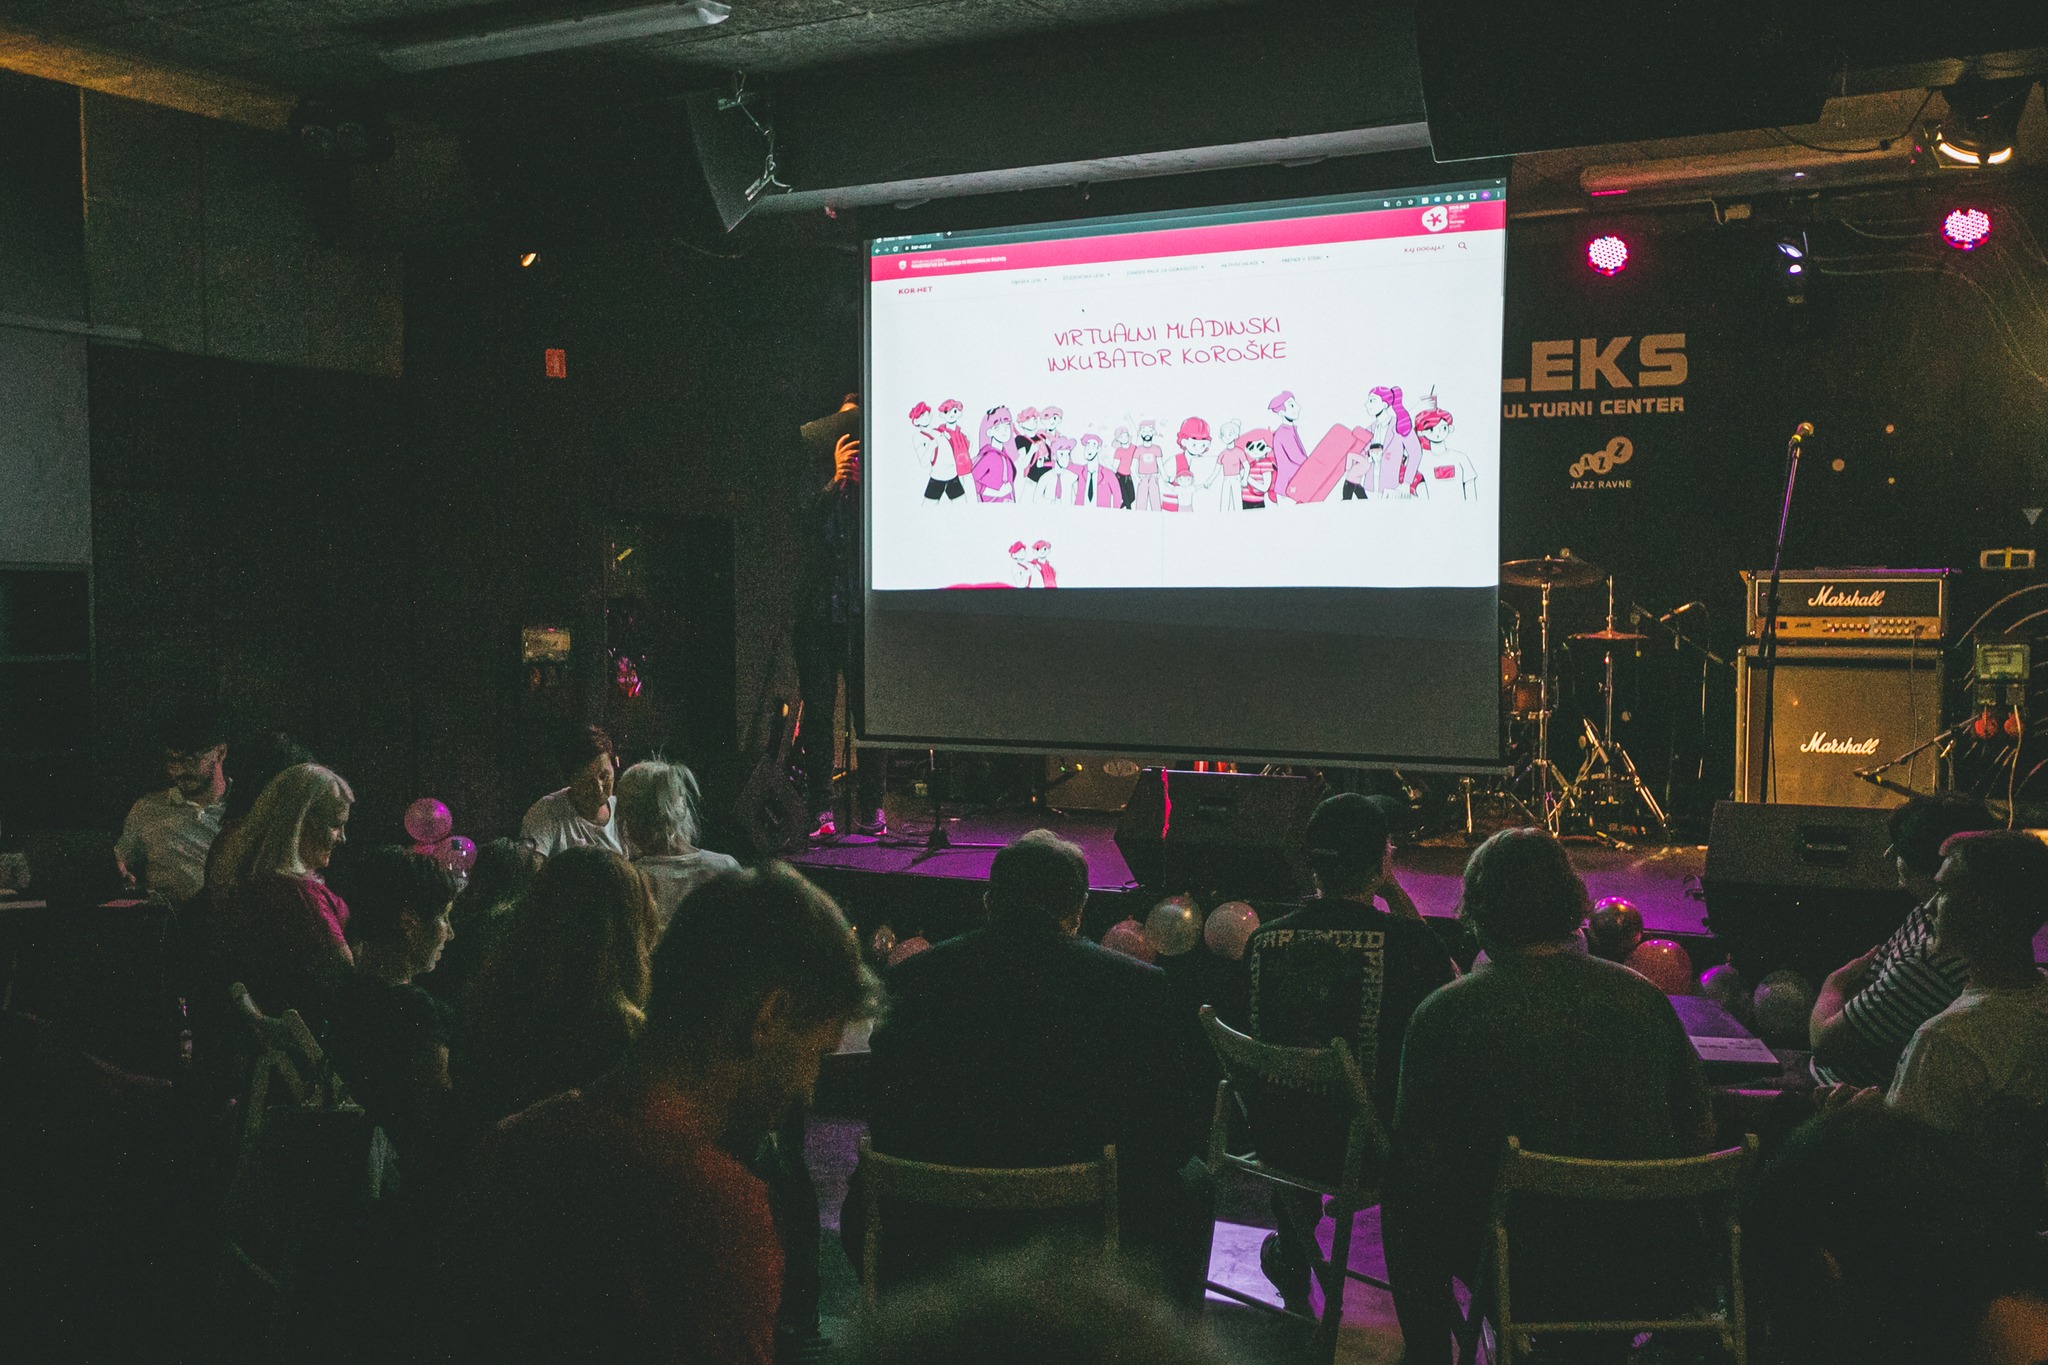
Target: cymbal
{"points": [[1610, 635], [1557, 572]]}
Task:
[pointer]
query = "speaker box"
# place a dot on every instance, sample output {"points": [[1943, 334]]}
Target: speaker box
{"points": [[1098, 782], [1838, 710], [1806, 887], [1233, 835]]}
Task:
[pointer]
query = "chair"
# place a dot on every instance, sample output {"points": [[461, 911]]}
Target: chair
{"points": [[1718, 1176], [978, 1189], [1251, 1068], [286, 1053]]}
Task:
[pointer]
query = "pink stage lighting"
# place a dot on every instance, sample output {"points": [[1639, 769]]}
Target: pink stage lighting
{"points": [[1966, 229], [1607, 254]]}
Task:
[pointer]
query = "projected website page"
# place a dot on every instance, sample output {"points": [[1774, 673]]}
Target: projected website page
{"points": [[1274, 425]]}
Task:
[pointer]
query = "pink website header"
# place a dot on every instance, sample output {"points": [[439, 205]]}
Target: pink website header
{"points": [[1422, 220]]}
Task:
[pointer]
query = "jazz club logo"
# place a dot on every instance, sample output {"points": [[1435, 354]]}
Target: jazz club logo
{"points": [[1589, 473], [1436, 218]]}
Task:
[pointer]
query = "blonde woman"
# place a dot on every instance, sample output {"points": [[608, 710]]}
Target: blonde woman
{"points": [[280, 928], [658, 814]]}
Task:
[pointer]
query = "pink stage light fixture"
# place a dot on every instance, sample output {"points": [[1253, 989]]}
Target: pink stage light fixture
{"points": [[1966, 229], [1608, 254]]}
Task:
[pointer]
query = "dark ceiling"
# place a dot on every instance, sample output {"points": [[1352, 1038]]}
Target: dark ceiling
{"points": [[301, 45]]}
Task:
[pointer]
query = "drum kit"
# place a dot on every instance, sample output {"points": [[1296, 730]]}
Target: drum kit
{"points": [[1606, 794]]}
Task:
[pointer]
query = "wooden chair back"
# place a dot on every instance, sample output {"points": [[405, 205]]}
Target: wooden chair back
{"points": [[1251, 1067], [979, 1189]]}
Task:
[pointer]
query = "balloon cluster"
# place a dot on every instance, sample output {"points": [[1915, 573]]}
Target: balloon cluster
{"points": [[1175, 927], [432, 828]]}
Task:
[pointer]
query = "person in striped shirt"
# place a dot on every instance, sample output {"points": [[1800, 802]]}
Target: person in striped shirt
{"points": [[1868, 1009]]}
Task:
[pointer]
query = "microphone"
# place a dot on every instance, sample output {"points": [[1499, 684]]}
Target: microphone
{"points": [[1800, 433], [1668, 617]]}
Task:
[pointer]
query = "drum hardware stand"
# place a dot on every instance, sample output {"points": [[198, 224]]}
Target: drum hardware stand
{"points": [[1547, 792], [1607, 763]]}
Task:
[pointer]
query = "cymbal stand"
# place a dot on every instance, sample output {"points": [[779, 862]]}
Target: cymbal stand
{"points": [[1546, 787], [1607, 763]]}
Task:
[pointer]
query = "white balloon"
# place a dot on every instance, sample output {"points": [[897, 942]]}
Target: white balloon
{"points": [[1230, 929], [1174, 927]]}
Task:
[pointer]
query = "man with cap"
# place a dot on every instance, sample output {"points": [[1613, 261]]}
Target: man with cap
{"points": [[1339, 967]]}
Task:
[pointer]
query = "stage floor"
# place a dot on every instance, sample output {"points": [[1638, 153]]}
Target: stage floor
{"points": [[1662, 882]]}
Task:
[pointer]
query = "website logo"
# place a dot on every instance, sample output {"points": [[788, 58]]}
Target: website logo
{"points": [[1436, 218]]}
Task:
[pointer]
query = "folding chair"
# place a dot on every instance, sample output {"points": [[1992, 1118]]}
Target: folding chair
{"points": [[1717, 1176], [1251, 1069], [978, 1189]]}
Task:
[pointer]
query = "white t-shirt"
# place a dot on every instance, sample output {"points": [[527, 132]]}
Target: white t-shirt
{"points": [[1981, 1064], [164, 843], [671, 875], [552, 824]]}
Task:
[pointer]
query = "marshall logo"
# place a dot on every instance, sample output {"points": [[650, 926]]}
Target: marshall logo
{"points": [[1823, 743], [1831, 596]]}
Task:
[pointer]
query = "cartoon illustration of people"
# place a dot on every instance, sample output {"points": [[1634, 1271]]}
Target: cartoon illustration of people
{"points": [[1440, 466], [1049, 420], [942, 479], [1393, 428], [1145, 467], [1122, 454], [1191, 445], [1358, 467], [1034, 452], [950, 413], [1021, 561], [1230, 465], [1289, 454], [1259, 471], [1041, 565], [995, 472], [1095, 479], [1058, 486]]}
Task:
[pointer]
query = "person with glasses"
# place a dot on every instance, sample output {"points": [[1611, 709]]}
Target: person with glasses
{"points": [[166, 838], [1867, 1009]]}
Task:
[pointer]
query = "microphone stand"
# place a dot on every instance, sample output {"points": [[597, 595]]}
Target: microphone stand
{"points": [[1767, 650]]}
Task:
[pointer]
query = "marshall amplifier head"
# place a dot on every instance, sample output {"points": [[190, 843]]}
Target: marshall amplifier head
{"points": [[1851, 606]]}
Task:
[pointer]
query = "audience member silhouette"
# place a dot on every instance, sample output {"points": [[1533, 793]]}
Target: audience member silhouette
{"points": [[657, 804], [1020, 1044], [616, 1222], [168, 834], [581, 814], [1572, 1055], [503, 873], [563, 991], [279, 927]]}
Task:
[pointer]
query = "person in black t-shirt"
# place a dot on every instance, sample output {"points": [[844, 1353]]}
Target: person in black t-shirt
{"points": [[1339, 967], [388, 1037]]}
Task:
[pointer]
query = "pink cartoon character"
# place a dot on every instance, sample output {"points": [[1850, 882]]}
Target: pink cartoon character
{"points": [[950, 413], [1095, 481], [942, 480], [1034, 452], [1394, 428], [1192, 443], [1231, 463], [1122, 455], [1289, 454], [1145, 466], [1057, 487], [1440, 467], [995, 473], [1021, 561], [1259, 469], [1049, 420], [1041, 564]]}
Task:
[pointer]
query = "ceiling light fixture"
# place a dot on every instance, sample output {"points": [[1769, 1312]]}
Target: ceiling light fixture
{"points": [[1983, 121], [554, 35]]}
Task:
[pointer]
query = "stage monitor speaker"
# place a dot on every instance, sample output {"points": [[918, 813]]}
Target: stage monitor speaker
{"points": [[1098, 782], [732, 149], [1807, 887], [1839, 710], [1503, 79], [1227, 834]]}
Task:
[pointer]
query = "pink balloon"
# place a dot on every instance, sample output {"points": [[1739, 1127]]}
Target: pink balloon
{"points": [[908, 948], [1230, 928], [428, 821], [1665, 964], [461, 854], [1128, 937]]}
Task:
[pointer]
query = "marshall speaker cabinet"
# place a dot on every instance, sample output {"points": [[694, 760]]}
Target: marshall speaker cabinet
{"points": [[1859, 683]]}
